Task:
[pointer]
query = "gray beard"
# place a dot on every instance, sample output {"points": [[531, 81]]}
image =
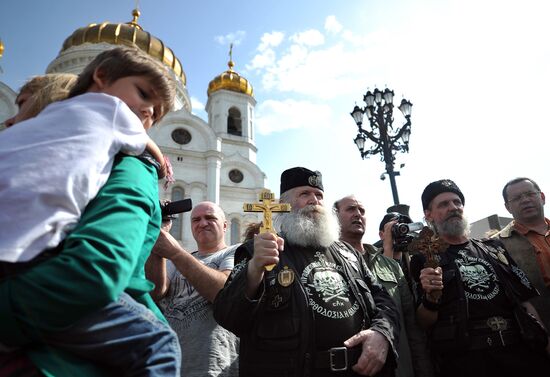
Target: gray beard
{"points": [[309, 226], [453, 227]]}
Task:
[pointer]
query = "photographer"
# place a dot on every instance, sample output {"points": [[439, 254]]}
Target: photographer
{"points": [[396, 233], [413, 354]]}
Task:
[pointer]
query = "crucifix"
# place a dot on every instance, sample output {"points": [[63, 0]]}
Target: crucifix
{"points": [[267, 207], [430, 245]]}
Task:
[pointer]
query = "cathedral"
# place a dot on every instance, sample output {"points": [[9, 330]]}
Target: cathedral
{"points": [[213, 160]]}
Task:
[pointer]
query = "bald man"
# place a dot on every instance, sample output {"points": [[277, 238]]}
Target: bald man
{"points": [[186, 286]]}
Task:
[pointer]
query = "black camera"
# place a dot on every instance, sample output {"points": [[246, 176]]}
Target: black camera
{"points": [[403, 234], [170, 209]]}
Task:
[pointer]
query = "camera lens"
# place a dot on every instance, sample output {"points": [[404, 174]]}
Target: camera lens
{"points": [[402, 229]]}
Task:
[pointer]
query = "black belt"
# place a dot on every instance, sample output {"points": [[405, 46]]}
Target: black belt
{"points": [[496, 323], [494, 339], [337, 359], [493, 332]]}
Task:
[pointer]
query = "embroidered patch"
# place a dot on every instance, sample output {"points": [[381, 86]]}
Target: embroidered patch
{"points": [[478, 277], [521, 275], [328, 292], [238, 267]]}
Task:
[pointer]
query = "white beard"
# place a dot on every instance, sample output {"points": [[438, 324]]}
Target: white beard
{"points": [[309, 226]]}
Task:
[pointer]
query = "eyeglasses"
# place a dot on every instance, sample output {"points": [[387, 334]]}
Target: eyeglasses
{"points": [[527, 194]]}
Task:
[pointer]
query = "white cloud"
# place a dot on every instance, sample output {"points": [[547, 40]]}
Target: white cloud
{"points": [[319, 73], [263, 60], [196, 104], [277, 116], [269, 40], [234, 37], [305, 64], [310, 37], [332, 25], [266, 56]]}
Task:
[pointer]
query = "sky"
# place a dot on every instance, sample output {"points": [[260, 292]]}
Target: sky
{"points": [[476, 71]]}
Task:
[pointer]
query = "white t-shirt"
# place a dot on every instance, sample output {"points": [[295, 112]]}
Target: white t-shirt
{"points": [[207, 349], [53, 165]]}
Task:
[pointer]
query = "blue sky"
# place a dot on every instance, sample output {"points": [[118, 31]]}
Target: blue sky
{"points": [[476, 71]]}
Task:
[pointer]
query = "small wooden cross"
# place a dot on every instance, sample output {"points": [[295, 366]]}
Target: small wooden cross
{"points": [[430, 245], [267, 207]]}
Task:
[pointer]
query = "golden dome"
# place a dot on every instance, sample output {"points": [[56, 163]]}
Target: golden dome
{"points": [[230, 80], [1, 48], [130, 33]]}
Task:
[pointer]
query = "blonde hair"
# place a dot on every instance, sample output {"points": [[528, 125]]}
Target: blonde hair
{"points": [[44, 90]]}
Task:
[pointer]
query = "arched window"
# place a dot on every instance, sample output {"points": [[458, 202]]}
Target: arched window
{"points": [[234, 122], [235, 231], [177, 194]]}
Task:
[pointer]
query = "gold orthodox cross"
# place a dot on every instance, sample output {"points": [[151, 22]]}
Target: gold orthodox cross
{"points": [[430, 246], [267, 207]]}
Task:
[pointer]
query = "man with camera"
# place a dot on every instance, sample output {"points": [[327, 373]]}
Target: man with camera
{"points": [[396, 232], [474, 297], [413, 354], [186, 286]]}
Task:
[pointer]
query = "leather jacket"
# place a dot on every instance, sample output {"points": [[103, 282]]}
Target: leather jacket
{"points": [[277, 330]]}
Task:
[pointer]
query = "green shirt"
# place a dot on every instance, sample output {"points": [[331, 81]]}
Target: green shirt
{"points": [[414, 359], [103, 256]]}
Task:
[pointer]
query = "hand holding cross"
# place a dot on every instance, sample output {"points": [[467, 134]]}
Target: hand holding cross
{"points": [[267, 207], [430, 245]]}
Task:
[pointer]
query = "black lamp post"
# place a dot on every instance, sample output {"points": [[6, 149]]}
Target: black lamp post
{"points": [[379, 111]]}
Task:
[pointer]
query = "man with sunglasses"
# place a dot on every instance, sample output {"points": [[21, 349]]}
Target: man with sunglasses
{"points": [[527, 238]]}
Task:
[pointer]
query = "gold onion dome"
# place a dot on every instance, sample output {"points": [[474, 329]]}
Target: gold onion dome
{"points": [[230, 80], [130, 33]]}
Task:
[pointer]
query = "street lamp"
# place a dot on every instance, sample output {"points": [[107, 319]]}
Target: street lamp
{"points": [[379, 111]]}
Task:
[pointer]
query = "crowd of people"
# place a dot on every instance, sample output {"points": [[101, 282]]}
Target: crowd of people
{"points": [[93, 284]]}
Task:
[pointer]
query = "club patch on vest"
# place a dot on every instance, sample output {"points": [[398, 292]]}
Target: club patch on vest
{"points": [[328, 292], [478, 278]]}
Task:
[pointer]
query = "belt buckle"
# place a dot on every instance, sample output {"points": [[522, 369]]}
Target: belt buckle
{"points": [[497, 323], [336, 354]]}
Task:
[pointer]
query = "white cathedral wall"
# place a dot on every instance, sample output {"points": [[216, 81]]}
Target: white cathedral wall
{"points": [[7, 103], [231, 146]]}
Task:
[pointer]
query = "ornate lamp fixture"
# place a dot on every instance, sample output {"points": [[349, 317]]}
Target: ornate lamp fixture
{"points": [[380, 130]]}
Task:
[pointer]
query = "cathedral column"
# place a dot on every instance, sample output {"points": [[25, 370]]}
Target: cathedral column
{"points": [[213, 181]]}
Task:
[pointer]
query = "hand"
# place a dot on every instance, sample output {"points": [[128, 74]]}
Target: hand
{"points": [[166, 225], [373, 354], [387, 237], [431, 280], [266, 251], [167, 246]]}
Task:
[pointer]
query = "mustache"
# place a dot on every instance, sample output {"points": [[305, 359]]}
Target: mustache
{"points": [[309, 209], [454, 214]]}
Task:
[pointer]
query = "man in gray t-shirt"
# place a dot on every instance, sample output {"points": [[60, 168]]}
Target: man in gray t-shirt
{"points": [[185, 288]]}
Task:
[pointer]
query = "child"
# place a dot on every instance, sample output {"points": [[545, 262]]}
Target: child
{"points": [[39, 92], [51, 167]]}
